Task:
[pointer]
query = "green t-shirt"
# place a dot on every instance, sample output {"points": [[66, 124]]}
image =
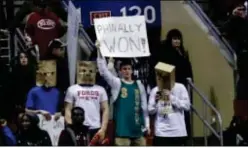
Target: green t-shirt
{"points": [[128, 114]]}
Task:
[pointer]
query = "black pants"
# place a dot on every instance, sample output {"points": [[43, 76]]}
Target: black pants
{"points": [[169, 141]]}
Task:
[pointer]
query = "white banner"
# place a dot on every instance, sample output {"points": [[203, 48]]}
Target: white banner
{"points": [[122, 36], [74, 19], [54, 128]]}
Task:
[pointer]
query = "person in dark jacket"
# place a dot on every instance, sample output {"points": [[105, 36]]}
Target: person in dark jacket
{"points": [[76, 133], [23, 77], [57, 52], [172, 52], [236, 29], [30, 134]]}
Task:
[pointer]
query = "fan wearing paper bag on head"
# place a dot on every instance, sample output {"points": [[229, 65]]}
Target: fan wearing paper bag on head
{"points": [[168, 101], [90, 97], [44, 98]]}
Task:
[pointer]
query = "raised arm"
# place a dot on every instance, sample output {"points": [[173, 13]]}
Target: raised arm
{"points": [[110, 78]]}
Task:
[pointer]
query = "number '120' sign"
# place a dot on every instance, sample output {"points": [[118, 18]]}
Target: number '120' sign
{"points": [[99, 8], [149, 12]]}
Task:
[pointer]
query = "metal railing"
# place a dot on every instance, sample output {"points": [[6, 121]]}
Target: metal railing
{"points": [[19, 41], [204, 118], [230, 52]]}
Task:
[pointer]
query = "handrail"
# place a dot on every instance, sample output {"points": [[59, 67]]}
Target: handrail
{"points": [[205, 100], [20, 40], [216, 33], [219, 37]]}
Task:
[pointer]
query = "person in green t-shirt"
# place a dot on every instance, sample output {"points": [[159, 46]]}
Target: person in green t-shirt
{"points": [[129, 100]]}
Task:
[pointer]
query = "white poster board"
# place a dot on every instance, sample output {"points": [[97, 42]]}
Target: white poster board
{"points": [[74, 19], [54, 128], [122, 36]]}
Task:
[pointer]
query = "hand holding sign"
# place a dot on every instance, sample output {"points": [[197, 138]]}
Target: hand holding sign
{"points": [[122, 36], [57, 116], [46, 115], [97, 44]]}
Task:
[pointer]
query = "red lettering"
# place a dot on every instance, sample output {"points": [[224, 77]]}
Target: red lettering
{"points": [[88, 94], [98, 14]]}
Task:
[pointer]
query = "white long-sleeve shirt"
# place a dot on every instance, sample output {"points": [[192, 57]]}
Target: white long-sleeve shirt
{"points": [[173, 123]]}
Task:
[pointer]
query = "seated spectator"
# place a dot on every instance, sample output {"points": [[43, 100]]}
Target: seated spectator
{"points": [[23, 79], [57, 52], [45, 99], [30, 134], [43, 26], [75, 134], [7, 137]]}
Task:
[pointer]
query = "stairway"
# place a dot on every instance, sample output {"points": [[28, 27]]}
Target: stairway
{"points": [[211, 68]]}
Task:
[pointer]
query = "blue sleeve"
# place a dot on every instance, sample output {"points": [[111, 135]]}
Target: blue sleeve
{"points": [[30, 100], [9, 138]]}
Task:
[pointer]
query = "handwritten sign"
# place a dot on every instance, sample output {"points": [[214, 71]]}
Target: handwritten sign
{"points": [[54, 128], [122, 36]]}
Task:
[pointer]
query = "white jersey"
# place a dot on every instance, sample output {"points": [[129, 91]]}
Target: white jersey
{"points": [[89, 98], [169, 121]]}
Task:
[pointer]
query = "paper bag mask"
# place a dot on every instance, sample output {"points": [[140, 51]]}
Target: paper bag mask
{"points": [[86, 72], [165, 76], [46, 73]]}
